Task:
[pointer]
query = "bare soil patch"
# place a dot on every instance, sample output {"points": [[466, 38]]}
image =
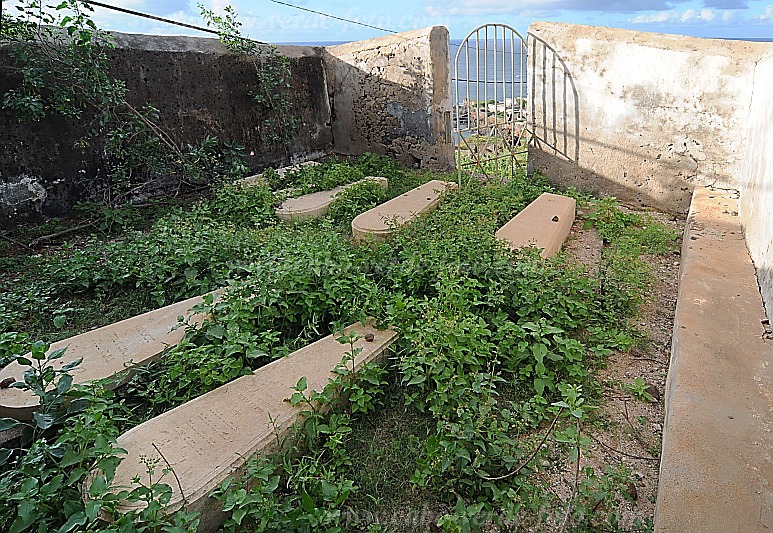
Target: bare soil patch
{"points": [[629, 428]]}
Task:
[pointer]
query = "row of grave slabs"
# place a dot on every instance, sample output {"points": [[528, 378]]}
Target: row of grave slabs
{"points": [[210, 438]]}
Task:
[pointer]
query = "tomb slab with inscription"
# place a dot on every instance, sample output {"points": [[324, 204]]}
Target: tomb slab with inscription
{"points": [[210, 438], [112, 350]]}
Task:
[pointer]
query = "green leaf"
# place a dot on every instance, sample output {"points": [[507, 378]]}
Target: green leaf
{"points": [[77, 519], [415, 380], [297, 398], [43, 421], [329, 491], [27, 516], [64, 384], [216, 330], [307, 503], [8, 423], [539, 350], [71, 365], [57, 354], [238, 515], [301, 385], [5, 454], [539, 385], [59, 321]]}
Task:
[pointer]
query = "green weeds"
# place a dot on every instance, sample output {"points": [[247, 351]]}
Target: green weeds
{"points": [[490, 384]]}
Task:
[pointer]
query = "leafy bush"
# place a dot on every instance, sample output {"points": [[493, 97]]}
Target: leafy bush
{"points": [[497, 349]]}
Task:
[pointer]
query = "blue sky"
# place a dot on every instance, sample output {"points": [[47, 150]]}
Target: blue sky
{"points": [[268, 21]]}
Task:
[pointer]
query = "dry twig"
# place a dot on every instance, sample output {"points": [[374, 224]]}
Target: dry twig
{"points": [[531, 456], [632, 456], [169, 466]]}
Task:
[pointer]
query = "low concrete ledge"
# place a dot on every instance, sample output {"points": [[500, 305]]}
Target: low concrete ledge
{"points": [[716, 472], [317, 204], [107, 351], [544, 223], [378, 223], [211, 437]]}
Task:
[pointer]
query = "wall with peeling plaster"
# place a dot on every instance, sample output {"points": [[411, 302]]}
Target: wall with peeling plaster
{"points": [[641, 116], [389, 96], [392, 96], [756, 178]]}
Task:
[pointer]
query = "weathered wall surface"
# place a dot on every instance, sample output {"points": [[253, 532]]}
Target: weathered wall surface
{"points": [[641, 116], [392, 95], [756, 183], [199, 88]]}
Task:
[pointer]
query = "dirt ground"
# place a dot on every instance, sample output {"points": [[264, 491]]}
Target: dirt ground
{"points": [[631, 430]]}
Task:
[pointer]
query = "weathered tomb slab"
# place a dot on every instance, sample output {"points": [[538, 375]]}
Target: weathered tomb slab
{"points": [[716, 469], [257, 179], [211, 437], [317, 204], [106, 351], [544, 223], [378, 223]]}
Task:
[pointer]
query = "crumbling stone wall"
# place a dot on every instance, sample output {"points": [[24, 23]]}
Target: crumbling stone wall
{"points": [[641, 116], [756, 178], [199, 88], [392, 95]]}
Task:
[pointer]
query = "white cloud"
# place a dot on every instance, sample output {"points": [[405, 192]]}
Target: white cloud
{"points": [[509, 7], [663, 16], [768, 14], [706, 15]]}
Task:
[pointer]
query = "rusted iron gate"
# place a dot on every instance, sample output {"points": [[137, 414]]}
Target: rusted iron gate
{"points": [[490, 98]]}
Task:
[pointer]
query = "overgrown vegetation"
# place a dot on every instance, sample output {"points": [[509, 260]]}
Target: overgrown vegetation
{"points": [[491, 384], [272, 76], [62, 62]]}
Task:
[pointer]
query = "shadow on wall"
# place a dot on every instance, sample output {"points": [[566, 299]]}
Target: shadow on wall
{"points": [[559, 141], [563, 138], [200, 90]]}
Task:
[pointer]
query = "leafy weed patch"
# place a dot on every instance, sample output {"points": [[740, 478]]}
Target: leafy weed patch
{"points": [[490, 385]]}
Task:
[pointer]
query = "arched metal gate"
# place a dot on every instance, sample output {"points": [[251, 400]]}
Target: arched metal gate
{"points": [[489, 88]]}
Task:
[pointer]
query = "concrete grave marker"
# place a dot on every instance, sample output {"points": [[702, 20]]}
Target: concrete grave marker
{"points": [[544, 223], [210, 438], [316, 205], [378, 223], [106, 351]]}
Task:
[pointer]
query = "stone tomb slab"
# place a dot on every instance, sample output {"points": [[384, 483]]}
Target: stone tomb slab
{"points": [[379, 222], [106, 351], [316, 205], [210, 438], [544, 223]]}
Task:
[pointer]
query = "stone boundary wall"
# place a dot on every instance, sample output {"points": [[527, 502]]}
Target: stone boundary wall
{"points": [[199, 88], [645, 117], [392, 95], [756, 179]]}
